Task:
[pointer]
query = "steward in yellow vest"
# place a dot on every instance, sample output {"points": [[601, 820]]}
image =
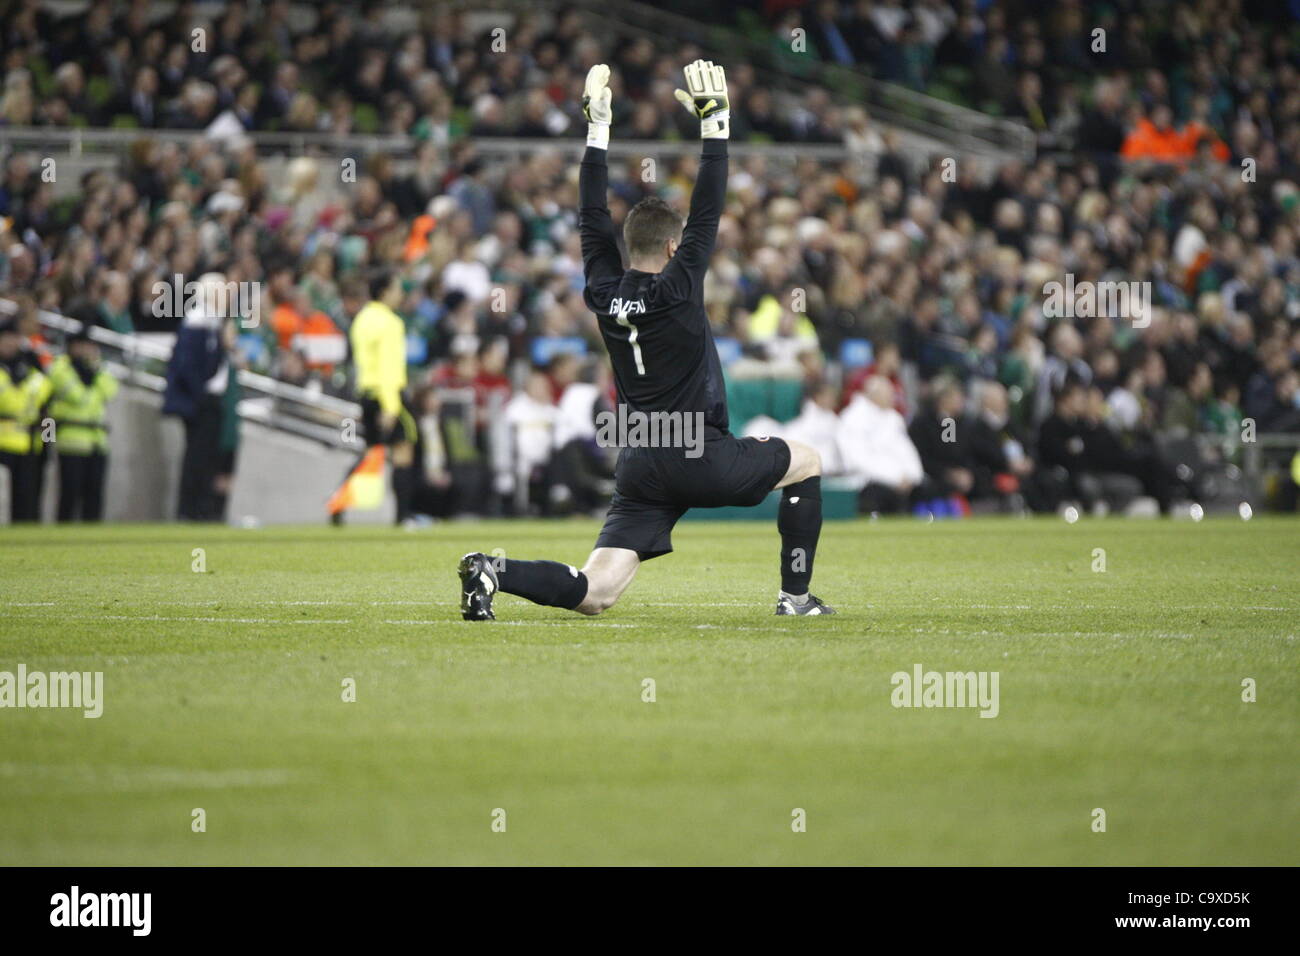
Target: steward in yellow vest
{"points": [[24, 390], [81, 390]]}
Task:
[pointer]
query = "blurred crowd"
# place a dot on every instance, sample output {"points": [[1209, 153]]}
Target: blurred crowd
{"points": [[905, 294], [354, 68], [1138, 77]]}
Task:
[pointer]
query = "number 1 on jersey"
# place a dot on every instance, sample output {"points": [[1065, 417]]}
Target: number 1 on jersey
{"points": [[622, 319]]}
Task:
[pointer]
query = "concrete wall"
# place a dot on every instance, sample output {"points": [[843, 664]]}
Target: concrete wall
{"points": [[284, 479], [280, 478]]}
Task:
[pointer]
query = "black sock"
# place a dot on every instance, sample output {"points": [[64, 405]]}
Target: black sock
{"points": [[800, 524], [543, 582], [405, 480]]}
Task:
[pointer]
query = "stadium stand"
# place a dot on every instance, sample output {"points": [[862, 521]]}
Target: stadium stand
{"points": [[869, 288]]}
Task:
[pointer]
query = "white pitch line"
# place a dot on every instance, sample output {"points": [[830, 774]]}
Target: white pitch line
{"points": [[258, 603], [692, 604], [126, 779], [209, 620], [720, 627], [887, 606], [523, 623], [726, 627]]}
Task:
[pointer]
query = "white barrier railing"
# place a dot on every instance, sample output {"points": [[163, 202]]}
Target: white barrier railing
{"points": [[142, 360]]}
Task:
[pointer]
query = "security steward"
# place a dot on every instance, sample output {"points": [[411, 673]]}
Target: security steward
{"points": [[81, 390], [24, 390]]}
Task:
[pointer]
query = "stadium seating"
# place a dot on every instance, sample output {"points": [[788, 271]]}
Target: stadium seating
{"points": [[888, 237]]}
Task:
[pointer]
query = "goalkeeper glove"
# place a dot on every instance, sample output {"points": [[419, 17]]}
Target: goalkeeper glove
{"points": [[705, 96], [595, 106]]}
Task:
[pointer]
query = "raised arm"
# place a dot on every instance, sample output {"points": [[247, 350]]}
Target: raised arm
{"points": [[705, 96], [707, 203], [600, 255]]}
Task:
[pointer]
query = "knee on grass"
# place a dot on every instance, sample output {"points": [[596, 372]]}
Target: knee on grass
{"points": [[608, 572], [603, 592], [596, 602]]}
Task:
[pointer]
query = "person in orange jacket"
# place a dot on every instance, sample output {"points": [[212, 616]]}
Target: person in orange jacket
{"points": [[299, 327], [1157, 138]]}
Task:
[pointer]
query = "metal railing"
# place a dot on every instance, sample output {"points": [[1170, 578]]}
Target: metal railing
{"points": [[108, 147], [81, 142], [142, 360]]}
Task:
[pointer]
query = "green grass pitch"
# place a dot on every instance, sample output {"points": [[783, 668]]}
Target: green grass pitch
{"points": [[1119, 690]]}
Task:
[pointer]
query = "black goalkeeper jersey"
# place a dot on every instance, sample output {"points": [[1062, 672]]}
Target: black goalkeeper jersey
{"points": [[654, 325]]}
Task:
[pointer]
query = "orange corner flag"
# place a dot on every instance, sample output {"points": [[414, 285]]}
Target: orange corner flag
{"points": [[363, 489]]}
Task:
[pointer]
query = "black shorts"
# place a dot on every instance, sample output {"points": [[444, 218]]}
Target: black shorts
{"points": [[654, 487], [404, 428]]}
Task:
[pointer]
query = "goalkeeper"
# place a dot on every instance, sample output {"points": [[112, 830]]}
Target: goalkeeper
{"points": [[660, 345]]}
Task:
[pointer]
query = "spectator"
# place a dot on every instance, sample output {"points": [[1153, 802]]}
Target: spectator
{"points": [[818, 427], [1002, 465], [112, 310], [877, 453], [1157, 139], [1065, 360], [434, 495], [532, 418], [947, 456], [582, 470], [1062, 447]]}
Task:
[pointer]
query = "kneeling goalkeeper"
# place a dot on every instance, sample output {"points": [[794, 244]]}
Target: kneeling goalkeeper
{"points": [[660, 345]]}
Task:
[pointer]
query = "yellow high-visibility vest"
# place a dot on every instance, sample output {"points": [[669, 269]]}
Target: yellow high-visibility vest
{"points": [[20, 410], [78, 408]]}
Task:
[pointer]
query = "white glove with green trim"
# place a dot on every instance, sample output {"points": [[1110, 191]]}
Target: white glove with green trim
{"points": [[595, 106], [705, 96]]}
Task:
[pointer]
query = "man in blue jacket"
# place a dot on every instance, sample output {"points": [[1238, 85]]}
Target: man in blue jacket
{"points": [[197, 376]]}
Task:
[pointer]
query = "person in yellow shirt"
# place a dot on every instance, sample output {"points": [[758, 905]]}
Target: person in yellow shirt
{"points": [[81, 391], [378, 338], [24, 390]]}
